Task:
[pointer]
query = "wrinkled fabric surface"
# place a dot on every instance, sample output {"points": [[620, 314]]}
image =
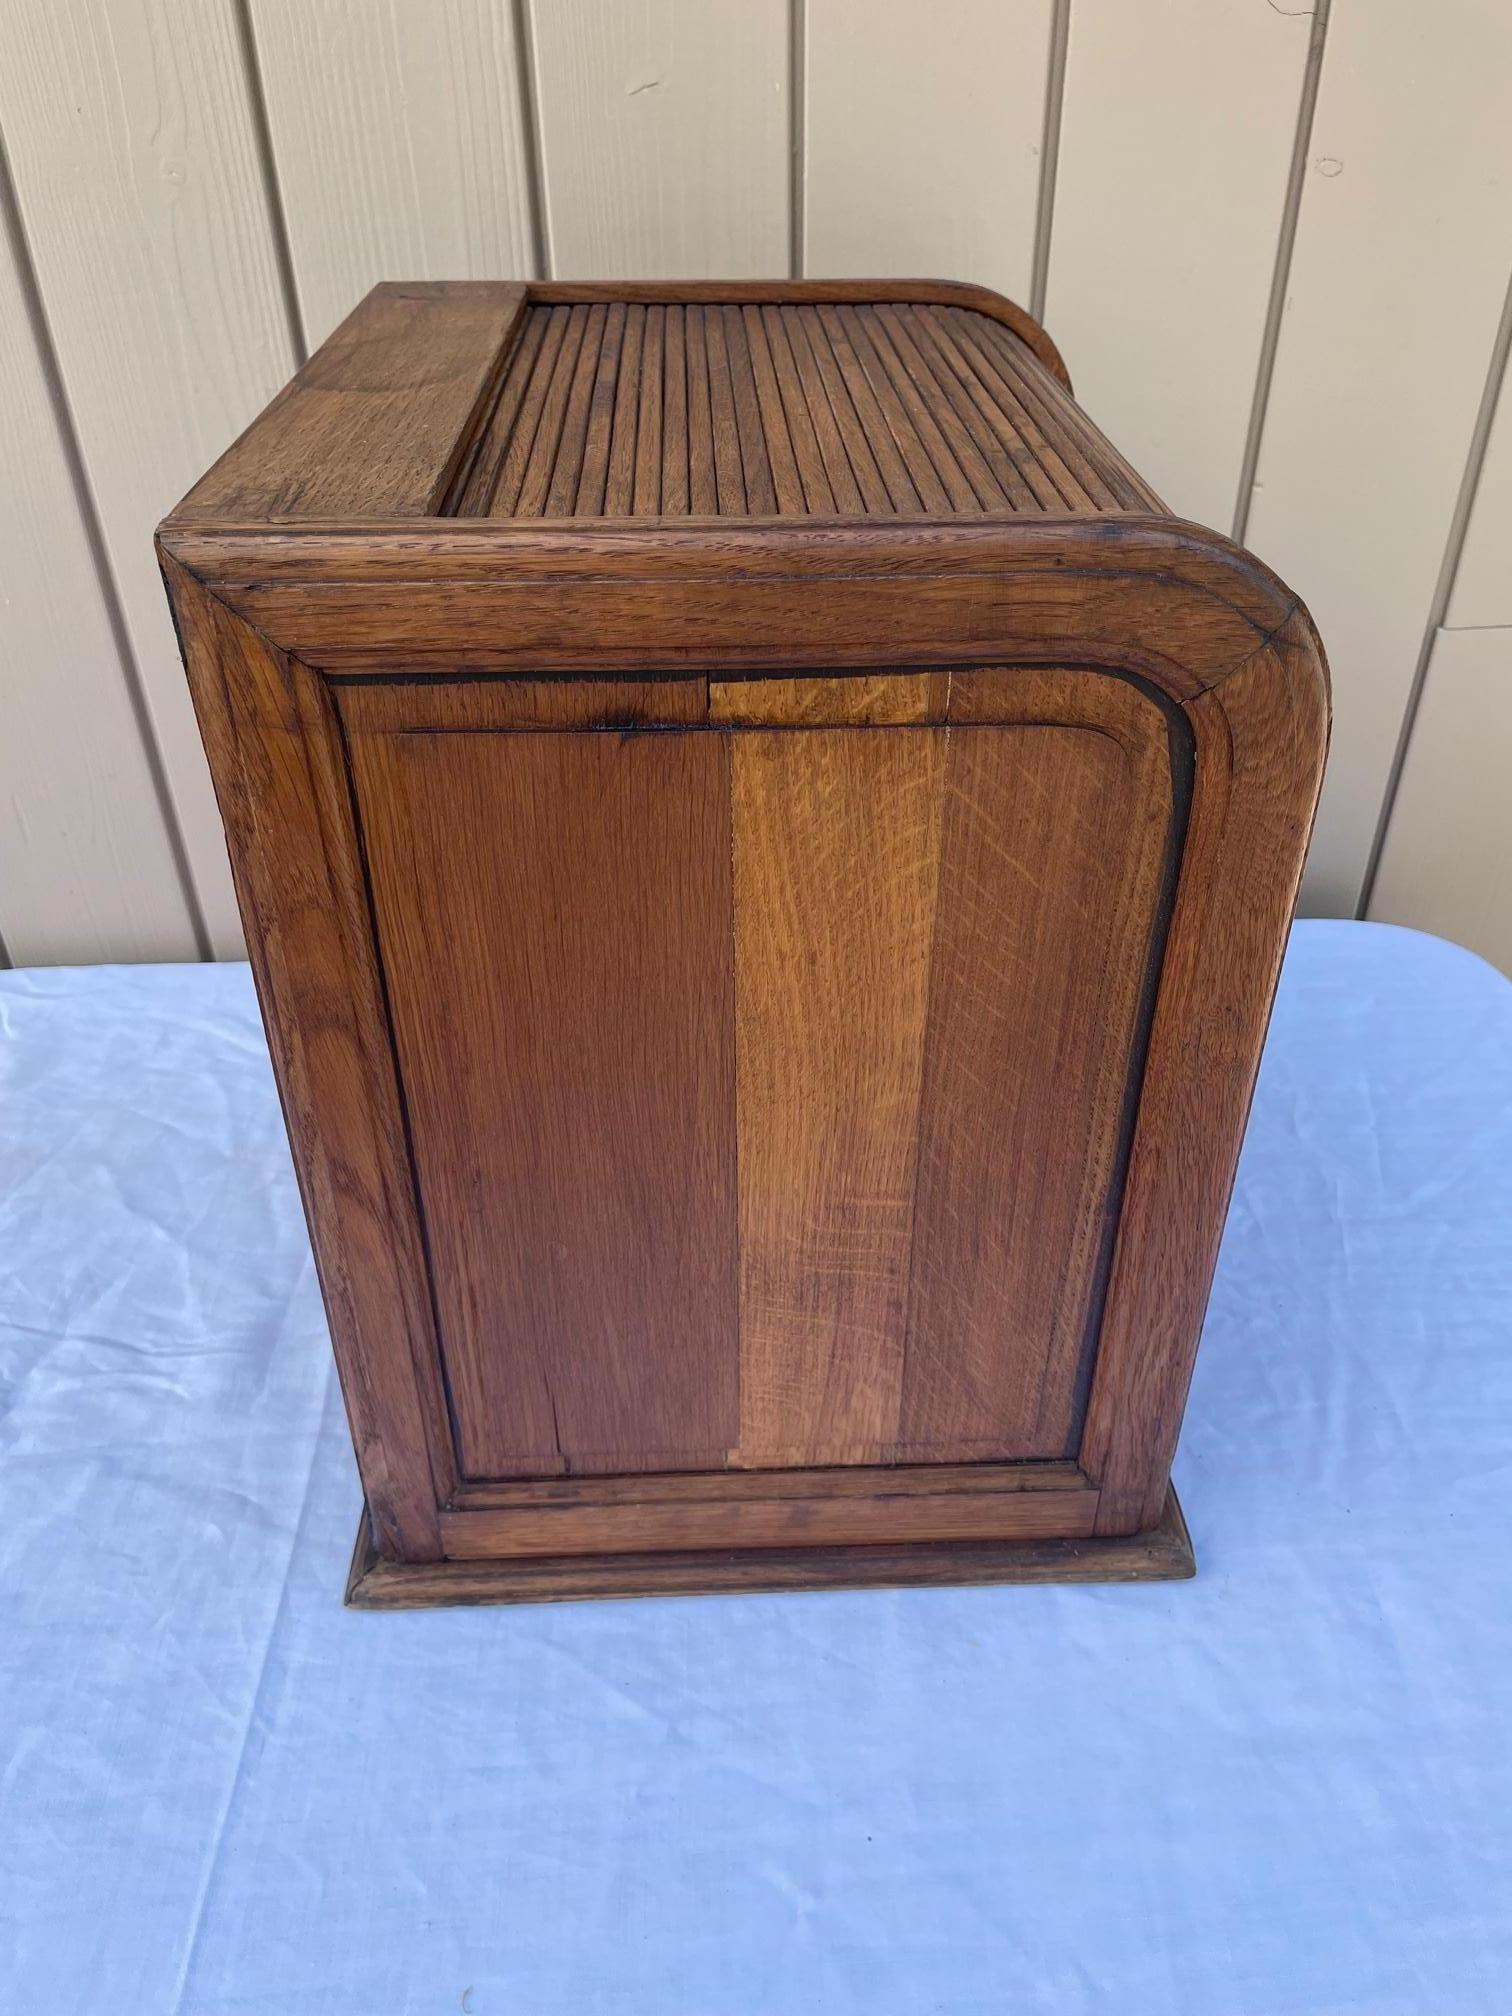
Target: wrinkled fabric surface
{"points": [[1284, 1787]]}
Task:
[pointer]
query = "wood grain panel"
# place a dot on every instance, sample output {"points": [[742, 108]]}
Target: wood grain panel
{"points": [[1051, 863], [921, 138], [664, 137], [1448, 848], [1160, 266], [130, 138], [835, 848], [1378, 379], [377, 421], [554, 914], [400, 142], [86, 868]]}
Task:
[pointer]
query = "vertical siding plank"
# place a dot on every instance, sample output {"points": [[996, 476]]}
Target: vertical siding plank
{"points": [[86, 868], [136, 171], [664, 136], [1483, 583], [922, 136], [1443, 867], [1396, 288], [1177, 128], [400, 144]]}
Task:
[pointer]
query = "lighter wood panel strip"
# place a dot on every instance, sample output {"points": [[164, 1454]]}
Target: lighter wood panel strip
{"points": [[864, 699], [835, 847], [651, 1528], [1051, 865]]}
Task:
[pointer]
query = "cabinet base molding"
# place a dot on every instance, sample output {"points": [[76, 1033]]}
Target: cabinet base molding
{"points": [[1163, 1553]]}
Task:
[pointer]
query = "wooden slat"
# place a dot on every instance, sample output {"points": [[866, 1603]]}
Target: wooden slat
{"points": [[131, 145], [400, 144], [835, 864], [1177, 125], [86, 869], [922, 138], [1444, 864], [1051, 860], [1379, 374], [664, 134], [651, 1528], [565, 1030]]}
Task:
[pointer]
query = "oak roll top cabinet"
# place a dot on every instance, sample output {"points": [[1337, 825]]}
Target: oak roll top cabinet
{"points": [[765, 852]]}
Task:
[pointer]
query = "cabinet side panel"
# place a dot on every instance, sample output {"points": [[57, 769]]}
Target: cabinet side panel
{"points": [[554, 914], [1051, 868], [836, 843]]}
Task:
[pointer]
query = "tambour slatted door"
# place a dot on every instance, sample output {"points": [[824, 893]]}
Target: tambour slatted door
{"points": [[766, 854]]}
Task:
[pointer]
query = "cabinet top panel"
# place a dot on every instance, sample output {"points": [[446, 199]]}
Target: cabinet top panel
{"points": [[832, 400]]}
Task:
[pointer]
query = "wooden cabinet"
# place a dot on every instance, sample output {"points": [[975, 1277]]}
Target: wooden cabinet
{"points": [[766, 855]]}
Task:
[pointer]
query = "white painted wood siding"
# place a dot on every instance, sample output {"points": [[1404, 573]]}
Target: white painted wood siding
{"points": [[1273, 242], [922, 152]]}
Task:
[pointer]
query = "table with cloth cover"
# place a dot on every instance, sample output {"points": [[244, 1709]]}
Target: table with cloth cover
{"points": [[1284, 1787]]}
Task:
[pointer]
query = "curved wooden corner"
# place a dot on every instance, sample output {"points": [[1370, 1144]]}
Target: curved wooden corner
{"points": [[1261, 733]]}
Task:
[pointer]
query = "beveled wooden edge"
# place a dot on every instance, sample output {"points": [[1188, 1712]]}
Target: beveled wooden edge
{"points": [[945, 293], [1173, 602], [278, 764], [1163, 1553]]}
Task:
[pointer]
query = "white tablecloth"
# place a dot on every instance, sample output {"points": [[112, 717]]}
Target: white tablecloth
{"points": [[1284, 1787]]}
